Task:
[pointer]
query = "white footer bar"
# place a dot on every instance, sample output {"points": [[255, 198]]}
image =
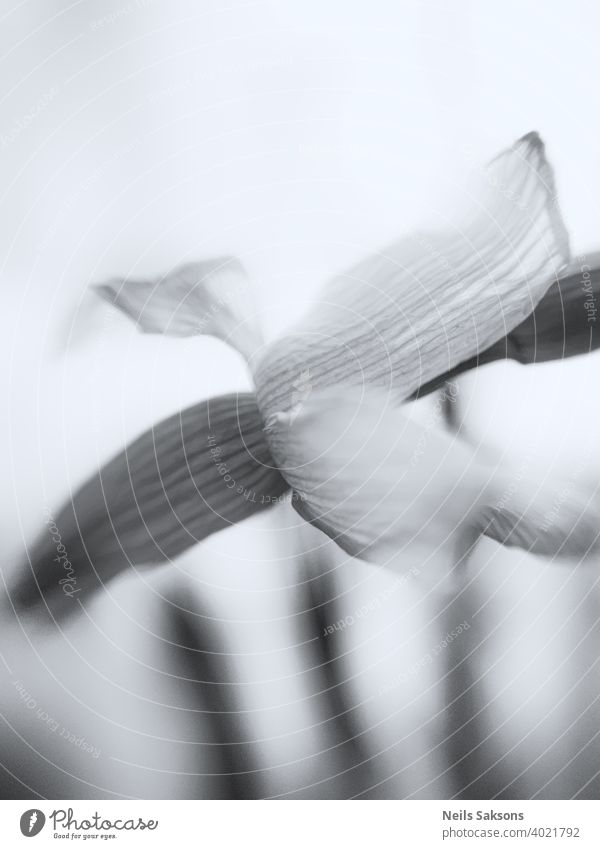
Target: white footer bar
{"points": [[302, 824]]}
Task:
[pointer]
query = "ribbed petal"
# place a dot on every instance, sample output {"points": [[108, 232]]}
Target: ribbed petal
{"points": [[391, 491], [565, 323], [195, 473], [208, 297], [431, 301]]}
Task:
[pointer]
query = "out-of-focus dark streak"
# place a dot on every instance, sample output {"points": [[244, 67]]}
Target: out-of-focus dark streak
{"points": [[353, 771], [197, 655]]}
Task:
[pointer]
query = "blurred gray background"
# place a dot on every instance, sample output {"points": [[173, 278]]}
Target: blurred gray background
{"points": [[138, 134]]}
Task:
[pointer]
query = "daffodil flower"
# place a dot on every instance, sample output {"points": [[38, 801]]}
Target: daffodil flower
{"points": [[328, 421]]}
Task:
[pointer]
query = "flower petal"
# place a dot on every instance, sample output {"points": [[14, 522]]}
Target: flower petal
{"points": [[377, 482], [431, 301], [208, 297], [195, 473], [556, 519], [563, 322], [386, 488], [562, 325]]}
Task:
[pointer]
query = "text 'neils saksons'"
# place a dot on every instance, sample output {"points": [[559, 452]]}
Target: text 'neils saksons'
{"points": [[481, 815]]}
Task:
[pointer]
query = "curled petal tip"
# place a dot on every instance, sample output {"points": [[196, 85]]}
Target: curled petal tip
{"points": [[209, 298], [532, 138], [433, 300]]}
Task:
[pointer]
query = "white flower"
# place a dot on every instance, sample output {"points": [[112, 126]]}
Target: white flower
{"points": [[327, 419]]}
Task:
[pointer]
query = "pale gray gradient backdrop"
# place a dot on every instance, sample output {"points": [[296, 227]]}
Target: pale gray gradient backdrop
{"points": [[296, 135]]}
